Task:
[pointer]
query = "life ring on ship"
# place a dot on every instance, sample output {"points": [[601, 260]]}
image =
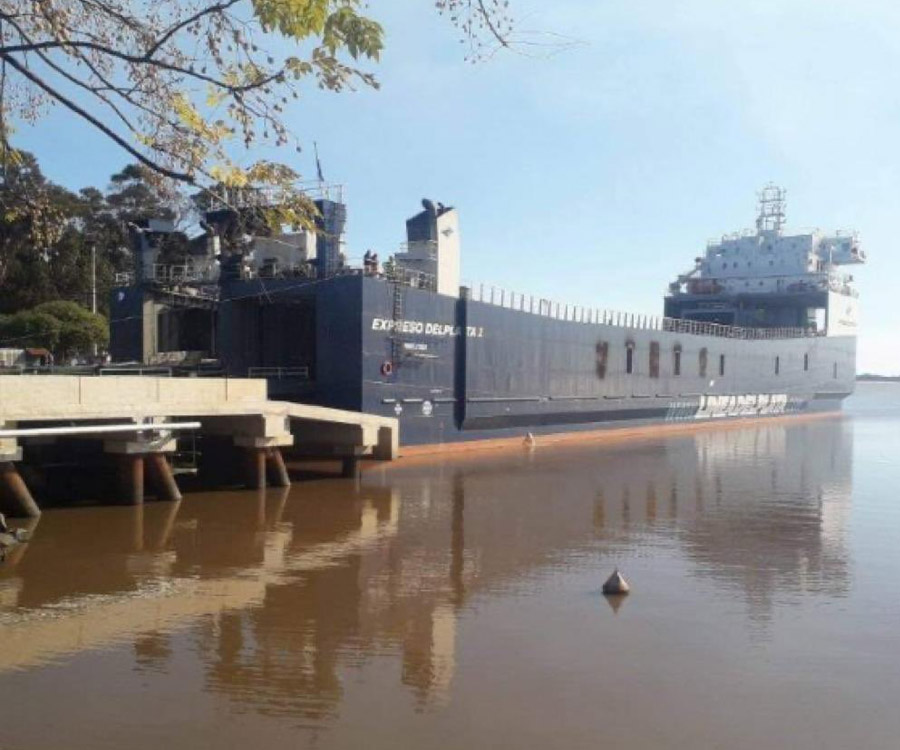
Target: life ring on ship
{"points": [[387, 367]]}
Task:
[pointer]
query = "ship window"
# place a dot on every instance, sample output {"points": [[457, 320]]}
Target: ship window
{"points": [[834, 371], [771, 262], [676, 359], [721, 364], [806, 361], [602, 357], [629, 358], [704, 355], [654, 359], [777, 365], [735, 264], [724, 266]]}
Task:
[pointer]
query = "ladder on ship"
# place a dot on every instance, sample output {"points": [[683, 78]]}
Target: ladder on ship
{"points": [[396, 343]]}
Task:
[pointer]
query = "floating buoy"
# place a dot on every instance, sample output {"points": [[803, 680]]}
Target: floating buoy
{"points": [[529, 440], [616, 584]]}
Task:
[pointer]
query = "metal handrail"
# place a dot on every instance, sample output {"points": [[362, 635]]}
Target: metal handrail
{"points": [[411, 278], [575, 313], [279, 373], [165, 372]]}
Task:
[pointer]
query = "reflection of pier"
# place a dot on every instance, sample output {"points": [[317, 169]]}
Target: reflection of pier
{"points": [[145, 592], [277, 595]]}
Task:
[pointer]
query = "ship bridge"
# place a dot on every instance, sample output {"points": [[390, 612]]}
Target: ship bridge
{"points": [[766, 278]]}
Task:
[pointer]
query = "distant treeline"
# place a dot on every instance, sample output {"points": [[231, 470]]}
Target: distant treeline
{"points": [[868, 376], [47, 234]]}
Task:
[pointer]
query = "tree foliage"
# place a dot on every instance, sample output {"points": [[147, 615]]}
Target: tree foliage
{"points": [[486, 25], [176, 82], [79, 329], [64, 328], [189, 87], [29, 328], [48, 236]]}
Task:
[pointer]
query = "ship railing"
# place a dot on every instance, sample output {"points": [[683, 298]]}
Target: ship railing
{"points": [[177, 274], [236, 198], [411, 278], [167, 274], [782, 284], [580, 314], [284, 270]]}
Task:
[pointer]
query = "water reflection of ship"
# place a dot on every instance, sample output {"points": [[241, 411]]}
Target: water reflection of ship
{"points": [[777, 513], [284, 595]]}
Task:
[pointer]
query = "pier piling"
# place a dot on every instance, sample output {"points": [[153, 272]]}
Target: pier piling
{"points": [[131, 478], [278, 473], [15, 499], [162, 477], [350, 467], [256, 468]]}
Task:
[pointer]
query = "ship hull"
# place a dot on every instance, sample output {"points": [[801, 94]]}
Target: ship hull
{"points": [[454, 369]]}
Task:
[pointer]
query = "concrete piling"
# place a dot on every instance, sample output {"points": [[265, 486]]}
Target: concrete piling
{"points": [[256, 468], [15, 499], [162, 477], [278, 473], [131, 479], [350, 467]]}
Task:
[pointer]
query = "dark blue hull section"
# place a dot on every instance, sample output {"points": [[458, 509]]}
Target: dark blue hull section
{"points": [[454, 369]]}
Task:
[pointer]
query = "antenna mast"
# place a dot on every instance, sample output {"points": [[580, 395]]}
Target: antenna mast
{"points": [[772, 202]]}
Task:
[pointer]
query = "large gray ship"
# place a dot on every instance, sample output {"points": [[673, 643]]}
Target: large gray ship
{"points": [[763, 324]]}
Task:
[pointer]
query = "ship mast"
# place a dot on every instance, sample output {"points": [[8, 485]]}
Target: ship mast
{"points": [[772, 202]]}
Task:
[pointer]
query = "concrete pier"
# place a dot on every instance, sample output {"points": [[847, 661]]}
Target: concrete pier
{"points": [[130, 413]]}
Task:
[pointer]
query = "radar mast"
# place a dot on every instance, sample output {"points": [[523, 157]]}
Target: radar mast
{"points": [[772, 202]]}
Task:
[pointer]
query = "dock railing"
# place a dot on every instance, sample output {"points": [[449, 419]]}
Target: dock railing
{"points": [[596, 316]]}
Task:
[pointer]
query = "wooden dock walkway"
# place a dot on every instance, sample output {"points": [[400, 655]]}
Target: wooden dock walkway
{"points": [[138, 419]]}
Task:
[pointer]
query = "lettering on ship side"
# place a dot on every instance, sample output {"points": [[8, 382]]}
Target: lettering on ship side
{"points": [[734, 405], [440, 330]]}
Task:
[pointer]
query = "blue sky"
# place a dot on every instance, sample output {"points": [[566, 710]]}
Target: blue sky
{"points": [[594, 176]]}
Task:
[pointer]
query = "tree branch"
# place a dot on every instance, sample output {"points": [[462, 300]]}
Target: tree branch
{"points": [[490, 25], [138, 60], [170, 32], [69, 104]]}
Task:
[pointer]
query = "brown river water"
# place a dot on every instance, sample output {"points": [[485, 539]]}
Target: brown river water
{"points": [[455, 602]]}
